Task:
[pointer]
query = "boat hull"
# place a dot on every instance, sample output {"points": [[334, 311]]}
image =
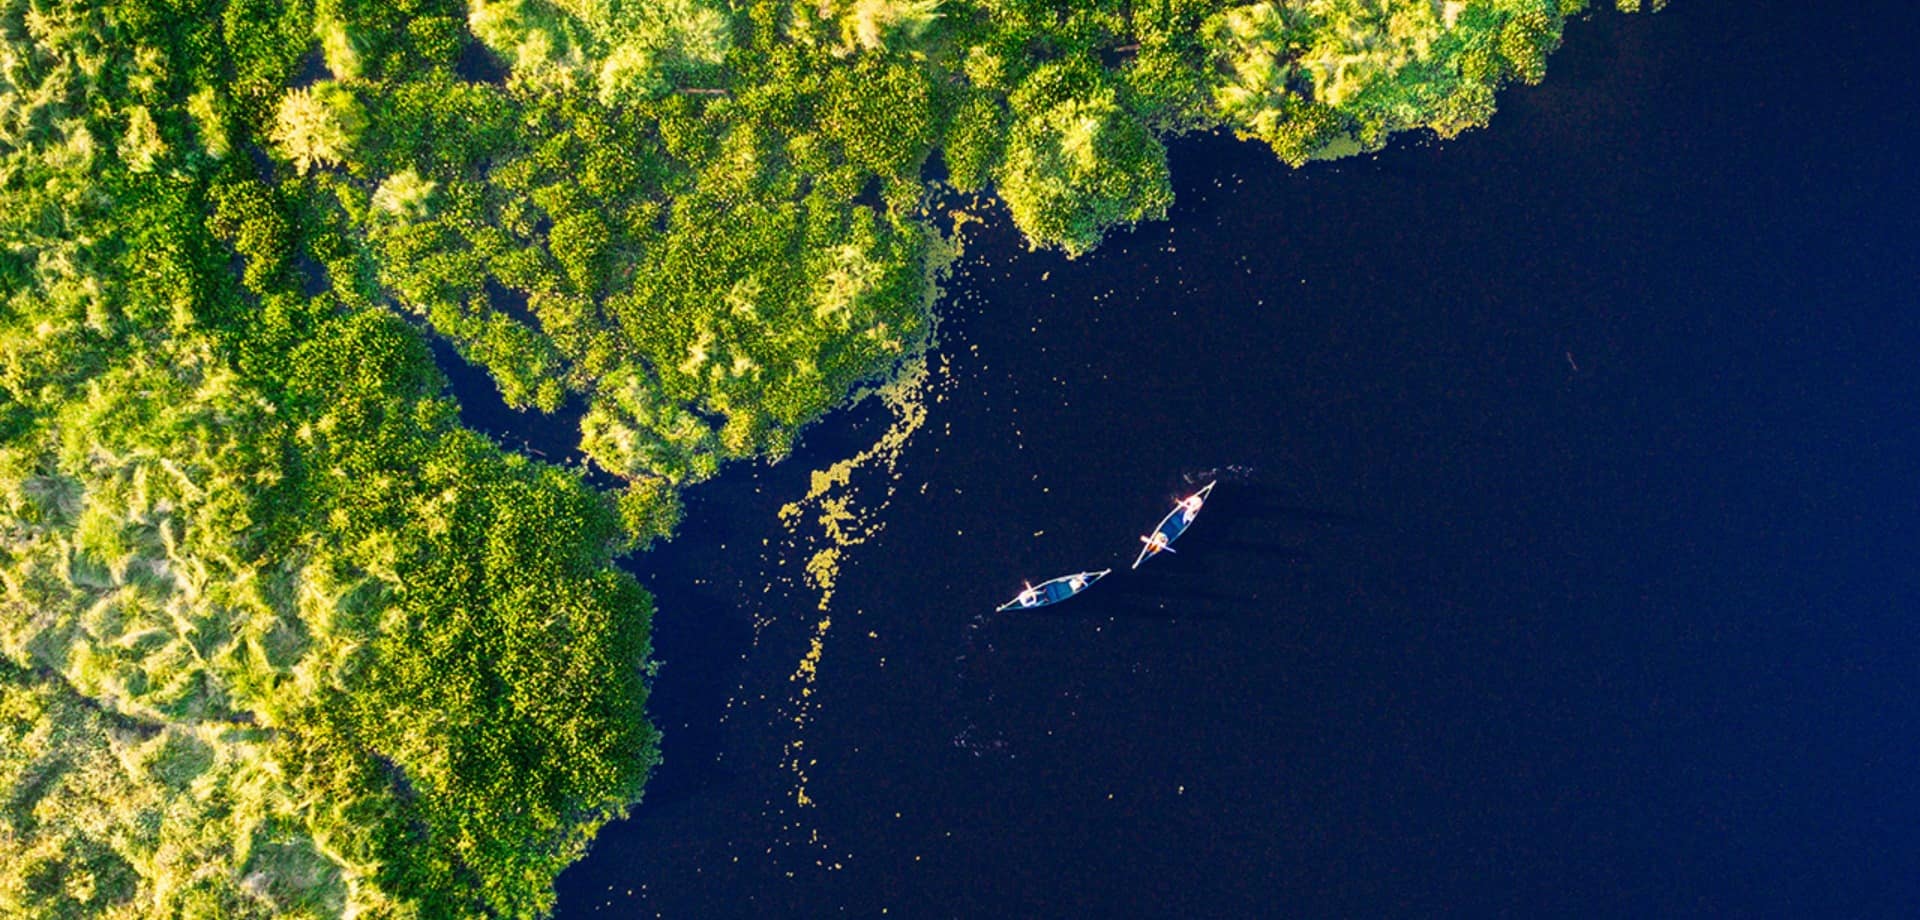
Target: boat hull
{"points": [[1173, 525], [1053, 591]]}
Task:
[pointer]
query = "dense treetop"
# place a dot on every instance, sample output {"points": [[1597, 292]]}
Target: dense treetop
{"points": [[278, 636]]}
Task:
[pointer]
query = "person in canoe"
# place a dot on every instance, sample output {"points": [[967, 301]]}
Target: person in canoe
{"points": [[1052, 591], [1173, 525]]}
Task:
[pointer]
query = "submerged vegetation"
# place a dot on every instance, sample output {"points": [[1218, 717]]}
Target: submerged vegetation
{"points": [[278, 636]]}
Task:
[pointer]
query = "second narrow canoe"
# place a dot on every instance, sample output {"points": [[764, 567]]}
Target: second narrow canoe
{"points": [[1173, 525], [1052, 591]]}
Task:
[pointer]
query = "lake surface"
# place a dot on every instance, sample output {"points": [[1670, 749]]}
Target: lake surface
{"points": [[1563, 560]]}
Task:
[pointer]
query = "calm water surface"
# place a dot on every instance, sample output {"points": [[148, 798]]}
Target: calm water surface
{"points": [[1563, 561]]}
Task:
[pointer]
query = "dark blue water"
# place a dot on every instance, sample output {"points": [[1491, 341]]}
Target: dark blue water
{"points": [[1564, 562]]}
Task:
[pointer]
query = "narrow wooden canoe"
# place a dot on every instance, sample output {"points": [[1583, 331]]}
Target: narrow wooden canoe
{"points": [[1052, 591], [1173, 525]]}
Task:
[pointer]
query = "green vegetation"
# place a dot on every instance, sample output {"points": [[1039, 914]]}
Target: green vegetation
{"points": [[278, 637]]}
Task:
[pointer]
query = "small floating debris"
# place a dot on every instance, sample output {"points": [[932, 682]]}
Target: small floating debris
{"points": [[1173, 525], [1052, 591]]}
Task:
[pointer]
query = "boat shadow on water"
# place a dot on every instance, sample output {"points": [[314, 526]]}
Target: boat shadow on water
{"points": [[1290, 552], [1131, 599], [1143, 609], [1252, 503]]}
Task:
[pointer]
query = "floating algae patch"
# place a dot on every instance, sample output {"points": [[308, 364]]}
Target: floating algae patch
{"points": [[841, 511]]}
